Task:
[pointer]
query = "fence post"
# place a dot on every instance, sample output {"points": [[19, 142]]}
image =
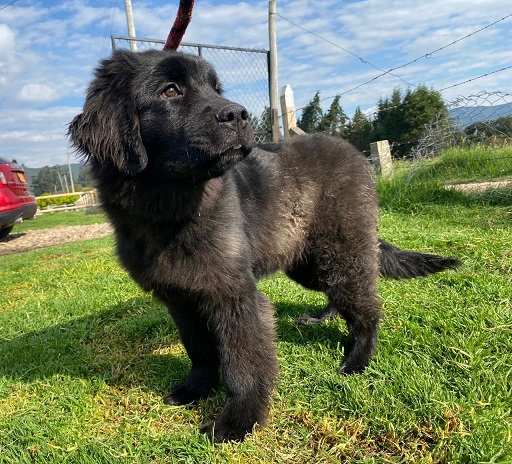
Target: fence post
{"points": [[288, 112], [380, 156], [274, 114]]}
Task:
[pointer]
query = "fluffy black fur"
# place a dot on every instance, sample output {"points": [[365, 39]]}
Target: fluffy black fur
{"points": [[200, 214]]}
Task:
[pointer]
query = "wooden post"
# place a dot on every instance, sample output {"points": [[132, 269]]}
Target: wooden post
{"points": [[380, 156], [288, 111]]}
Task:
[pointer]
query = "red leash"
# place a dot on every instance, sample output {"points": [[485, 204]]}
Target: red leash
{"points": [[179, 27]]}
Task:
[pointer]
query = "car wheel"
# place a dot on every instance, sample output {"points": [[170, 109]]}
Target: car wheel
{"points": [[5, 232]]}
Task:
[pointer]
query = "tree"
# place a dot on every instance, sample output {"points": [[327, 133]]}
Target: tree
{"points": [[85, 178], [360, 131], [253, 121], [265, 125], [335, 121], [503, 126], [389, 123], [485, 131], [402, 121], [422, 105], [311, 115], [48, 180]]}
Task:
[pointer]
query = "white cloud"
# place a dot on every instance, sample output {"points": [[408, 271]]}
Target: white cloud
{"points": [[7, 43], [37, 93]]}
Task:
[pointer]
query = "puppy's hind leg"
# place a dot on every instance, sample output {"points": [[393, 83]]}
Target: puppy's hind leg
{"points": [[351, 276], [305, 273], [328, 313], [349, 279], [361, 310]]}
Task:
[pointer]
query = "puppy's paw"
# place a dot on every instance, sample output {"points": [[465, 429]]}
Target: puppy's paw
{"points": [[182, 394], [354, 364], [329, 312], [350, 369], [220, 432], [306, 319]]}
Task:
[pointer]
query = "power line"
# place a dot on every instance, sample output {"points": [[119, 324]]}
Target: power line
{"points": [[360, 58], [9, 4], [427, 55], [475, 78]]}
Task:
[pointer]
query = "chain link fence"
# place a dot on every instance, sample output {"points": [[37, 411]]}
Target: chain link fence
{"points": [[244, 73]]}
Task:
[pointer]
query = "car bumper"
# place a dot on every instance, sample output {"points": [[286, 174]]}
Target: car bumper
{"points": [[8, 218]]}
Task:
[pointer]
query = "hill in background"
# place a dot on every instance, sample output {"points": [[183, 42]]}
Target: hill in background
{"points": [[467, 115]]}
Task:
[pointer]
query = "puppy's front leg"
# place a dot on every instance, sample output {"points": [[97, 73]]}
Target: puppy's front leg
{"points": [[200, 344], [246, 342]]}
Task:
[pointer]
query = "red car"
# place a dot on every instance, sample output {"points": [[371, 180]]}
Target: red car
{"points": [[16, 201]]}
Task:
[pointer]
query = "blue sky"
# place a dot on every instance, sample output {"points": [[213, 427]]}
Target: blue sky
{"points": [[49, 49]]}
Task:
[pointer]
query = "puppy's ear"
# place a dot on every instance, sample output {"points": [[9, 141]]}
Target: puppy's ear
{"points": [[108, 130]]}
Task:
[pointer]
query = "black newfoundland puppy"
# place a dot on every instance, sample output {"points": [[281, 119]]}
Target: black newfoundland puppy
{"points": [[200, 215]]}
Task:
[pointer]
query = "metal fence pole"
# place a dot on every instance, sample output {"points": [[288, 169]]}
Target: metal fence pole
{"points": [[130, 24], [274, 101]]}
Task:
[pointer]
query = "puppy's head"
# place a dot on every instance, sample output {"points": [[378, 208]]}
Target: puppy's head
{"points": [[160, 111]]}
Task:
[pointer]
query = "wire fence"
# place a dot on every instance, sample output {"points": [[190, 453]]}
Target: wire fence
{"points": [[469, 147], [244, 73], [484, 119]]}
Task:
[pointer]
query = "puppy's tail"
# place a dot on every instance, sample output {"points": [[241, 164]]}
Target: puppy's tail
{"points": [[404, 264]]}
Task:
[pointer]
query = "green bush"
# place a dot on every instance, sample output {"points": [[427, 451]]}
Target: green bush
{"points": [[57, 201]]}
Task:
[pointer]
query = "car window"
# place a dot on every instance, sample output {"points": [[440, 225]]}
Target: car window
{"points": [[3, 160]]}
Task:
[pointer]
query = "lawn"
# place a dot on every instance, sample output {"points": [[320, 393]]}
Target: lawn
{"points": [[86, 356], [68, 218]]}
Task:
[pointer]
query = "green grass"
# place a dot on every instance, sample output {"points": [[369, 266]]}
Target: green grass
{"points": [[59, 218], [86, 356], [420, 185], [478, 163], [457, 165]]}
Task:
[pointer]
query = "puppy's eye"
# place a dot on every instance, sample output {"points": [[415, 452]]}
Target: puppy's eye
{"points": [[172, 91]]}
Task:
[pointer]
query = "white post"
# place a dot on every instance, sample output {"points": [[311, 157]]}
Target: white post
{"points": [[130, 24], [288, 111], [66, 182], [380, 156], [71, 174]]}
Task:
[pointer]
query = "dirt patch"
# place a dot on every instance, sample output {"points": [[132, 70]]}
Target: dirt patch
{"points": [[42, 238], [481, 186]]}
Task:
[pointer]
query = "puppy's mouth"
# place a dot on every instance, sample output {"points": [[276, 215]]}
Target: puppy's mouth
{"points": [[213, 164], [219, 164]]}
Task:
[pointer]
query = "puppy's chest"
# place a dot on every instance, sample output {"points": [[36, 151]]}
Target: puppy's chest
{"points": [[197, 257]]}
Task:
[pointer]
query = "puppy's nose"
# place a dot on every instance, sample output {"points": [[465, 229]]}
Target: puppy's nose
{"points": [[233, 116]]}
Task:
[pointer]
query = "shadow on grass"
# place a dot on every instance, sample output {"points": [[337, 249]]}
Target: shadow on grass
{"points": [[119, 345], [331, 334], [133, 344]]}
